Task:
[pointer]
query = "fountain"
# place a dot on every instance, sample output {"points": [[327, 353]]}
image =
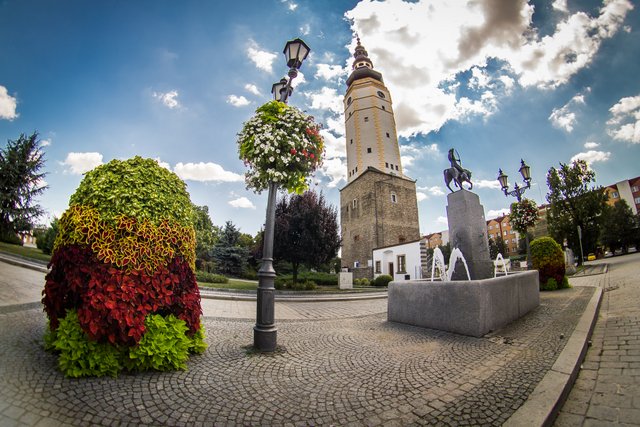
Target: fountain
{"points": [[499, 259], [474, 304], [444, 273]]}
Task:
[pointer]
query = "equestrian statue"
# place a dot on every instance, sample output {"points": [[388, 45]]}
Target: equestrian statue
{"points": [[456, 172]]}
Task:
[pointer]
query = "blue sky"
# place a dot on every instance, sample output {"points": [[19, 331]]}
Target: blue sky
{"points": [[548, 81]]}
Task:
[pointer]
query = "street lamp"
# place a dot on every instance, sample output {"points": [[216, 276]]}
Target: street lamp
{"points": [[265, 331], [517, 192]]}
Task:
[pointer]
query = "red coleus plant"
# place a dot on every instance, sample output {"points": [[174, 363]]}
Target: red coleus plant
{"points": [[112, 304]]}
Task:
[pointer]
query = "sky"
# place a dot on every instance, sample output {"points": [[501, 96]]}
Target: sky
{"points": [[498, 80]]}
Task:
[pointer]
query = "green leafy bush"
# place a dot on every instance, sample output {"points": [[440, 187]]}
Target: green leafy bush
{"points": [[382, 280], [547, 257], [321, 279], [80, 357], [206, 277], [362, 282], [164, 347]]}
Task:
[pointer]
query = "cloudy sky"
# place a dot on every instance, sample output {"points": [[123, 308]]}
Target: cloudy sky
{"points": [[499, 80]]}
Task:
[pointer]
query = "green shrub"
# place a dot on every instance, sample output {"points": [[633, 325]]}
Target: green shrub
{"points": [[164, 346], [362, 282], [9, 237], [547, 257], [320, 279], [80, 357], [206, 277], [382, 280], [565, 283]]}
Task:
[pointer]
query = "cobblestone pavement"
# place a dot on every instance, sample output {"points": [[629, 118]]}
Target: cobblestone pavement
{"points": [[354, 370], [607, 390]]}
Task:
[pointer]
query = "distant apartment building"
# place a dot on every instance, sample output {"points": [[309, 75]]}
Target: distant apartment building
{"points": [[627, 190], [501, 227]]}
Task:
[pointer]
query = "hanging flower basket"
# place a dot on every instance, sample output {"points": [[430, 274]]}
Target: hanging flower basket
{"points": [[523, 215], [280, 144]]}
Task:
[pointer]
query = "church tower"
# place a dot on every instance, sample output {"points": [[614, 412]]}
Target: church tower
{"points": [[378, 206]]}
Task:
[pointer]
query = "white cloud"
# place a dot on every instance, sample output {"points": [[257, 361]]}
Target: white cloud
{"points": [[469, 34], [565, 116], [206, 172], [162, 164], [261, 58], [79, 163], [237, 101], [590, 145], [560, 5], [592, 156], [442, 220], [336, 170], [328, 71], [326, 99], [494, 213], [249, 87], [298, 80], [242, 202], [486, 183], [625, 120], [421, 196], [45, 142], [8, 105], [305, 30], [168, 99]]}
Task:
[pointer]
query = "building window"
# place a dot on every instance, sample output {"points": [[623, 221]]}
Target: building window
{"points": [[351, 141], [356, 169], [388, 135], [368, 149], [397, 167], [384, 108], [394, 198], [366, 119], [356, 237], [615, 195], [354, 204], [402, 264], [349, 101], [637, 200], [378, 267], [380, 94], [635, 189], [386, 164], [350, 113]]}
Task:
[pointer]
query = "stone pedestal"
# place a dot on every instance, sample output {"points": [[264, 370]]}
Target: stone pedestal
{"points": [[345, 280], [468, 232]]}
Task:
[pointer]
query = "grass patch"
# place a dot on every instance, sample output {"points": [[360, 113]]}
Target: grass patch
{"points": [[24, 251], [232, 284]]}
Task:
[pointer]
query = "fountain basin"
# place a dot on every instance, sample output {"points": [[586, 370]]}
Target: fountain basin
{"points": [[473, 307]]}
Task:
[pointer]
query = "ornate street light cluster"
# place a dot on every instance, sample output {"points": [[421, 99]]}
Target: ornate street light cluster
{"points": [[265, 331], [517, 192]]}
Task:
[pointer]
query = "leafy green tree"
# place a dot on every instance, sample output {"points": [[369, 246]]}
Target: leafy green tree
{"points": [[306, 231], [21, 180], [619, 227], [574, 202], [230, 257], [206, 236], [46, 238], [497, 247]]}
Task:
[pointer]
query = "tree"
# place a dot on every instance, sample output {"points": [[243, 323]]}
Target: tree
{"points": [[46, 238], [306, 231], [206, 235], [229, 256], [20, 182], [497, 247], [575, 204], [619, 227]]}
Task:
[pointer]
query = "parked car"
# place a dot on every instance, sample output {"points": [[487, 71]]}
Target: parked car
{"points": [[591, 257]]}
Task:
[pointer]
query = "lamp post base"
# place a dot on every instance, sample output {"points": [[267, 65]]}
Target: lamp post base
{"points": [[265, 338]]}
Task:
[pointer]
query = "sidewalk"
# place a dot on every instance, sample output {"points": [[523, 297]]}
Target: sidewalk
{"points": [[607, 390]]}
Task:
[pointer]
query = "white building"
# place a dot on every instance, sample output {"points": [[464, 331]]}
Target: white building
{"points": [[404, 261]]}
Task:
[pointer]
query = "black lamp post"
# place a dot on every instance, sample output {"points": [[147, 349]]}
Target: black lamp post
{"points": [[517, 192], [265, 331]]}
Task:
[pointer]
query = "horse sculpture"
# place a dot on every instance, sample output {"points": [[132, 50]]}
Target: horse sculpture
{"points": [[453, 174]]}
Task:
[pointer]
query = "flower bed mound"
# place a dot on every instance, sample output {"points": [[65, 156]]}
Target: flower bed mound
{"points": [[124, 259]]}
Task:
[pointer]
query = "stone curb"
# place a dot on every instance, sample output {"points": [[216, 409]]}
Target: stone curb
{"points": [[546, 400], [14, 260]]}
